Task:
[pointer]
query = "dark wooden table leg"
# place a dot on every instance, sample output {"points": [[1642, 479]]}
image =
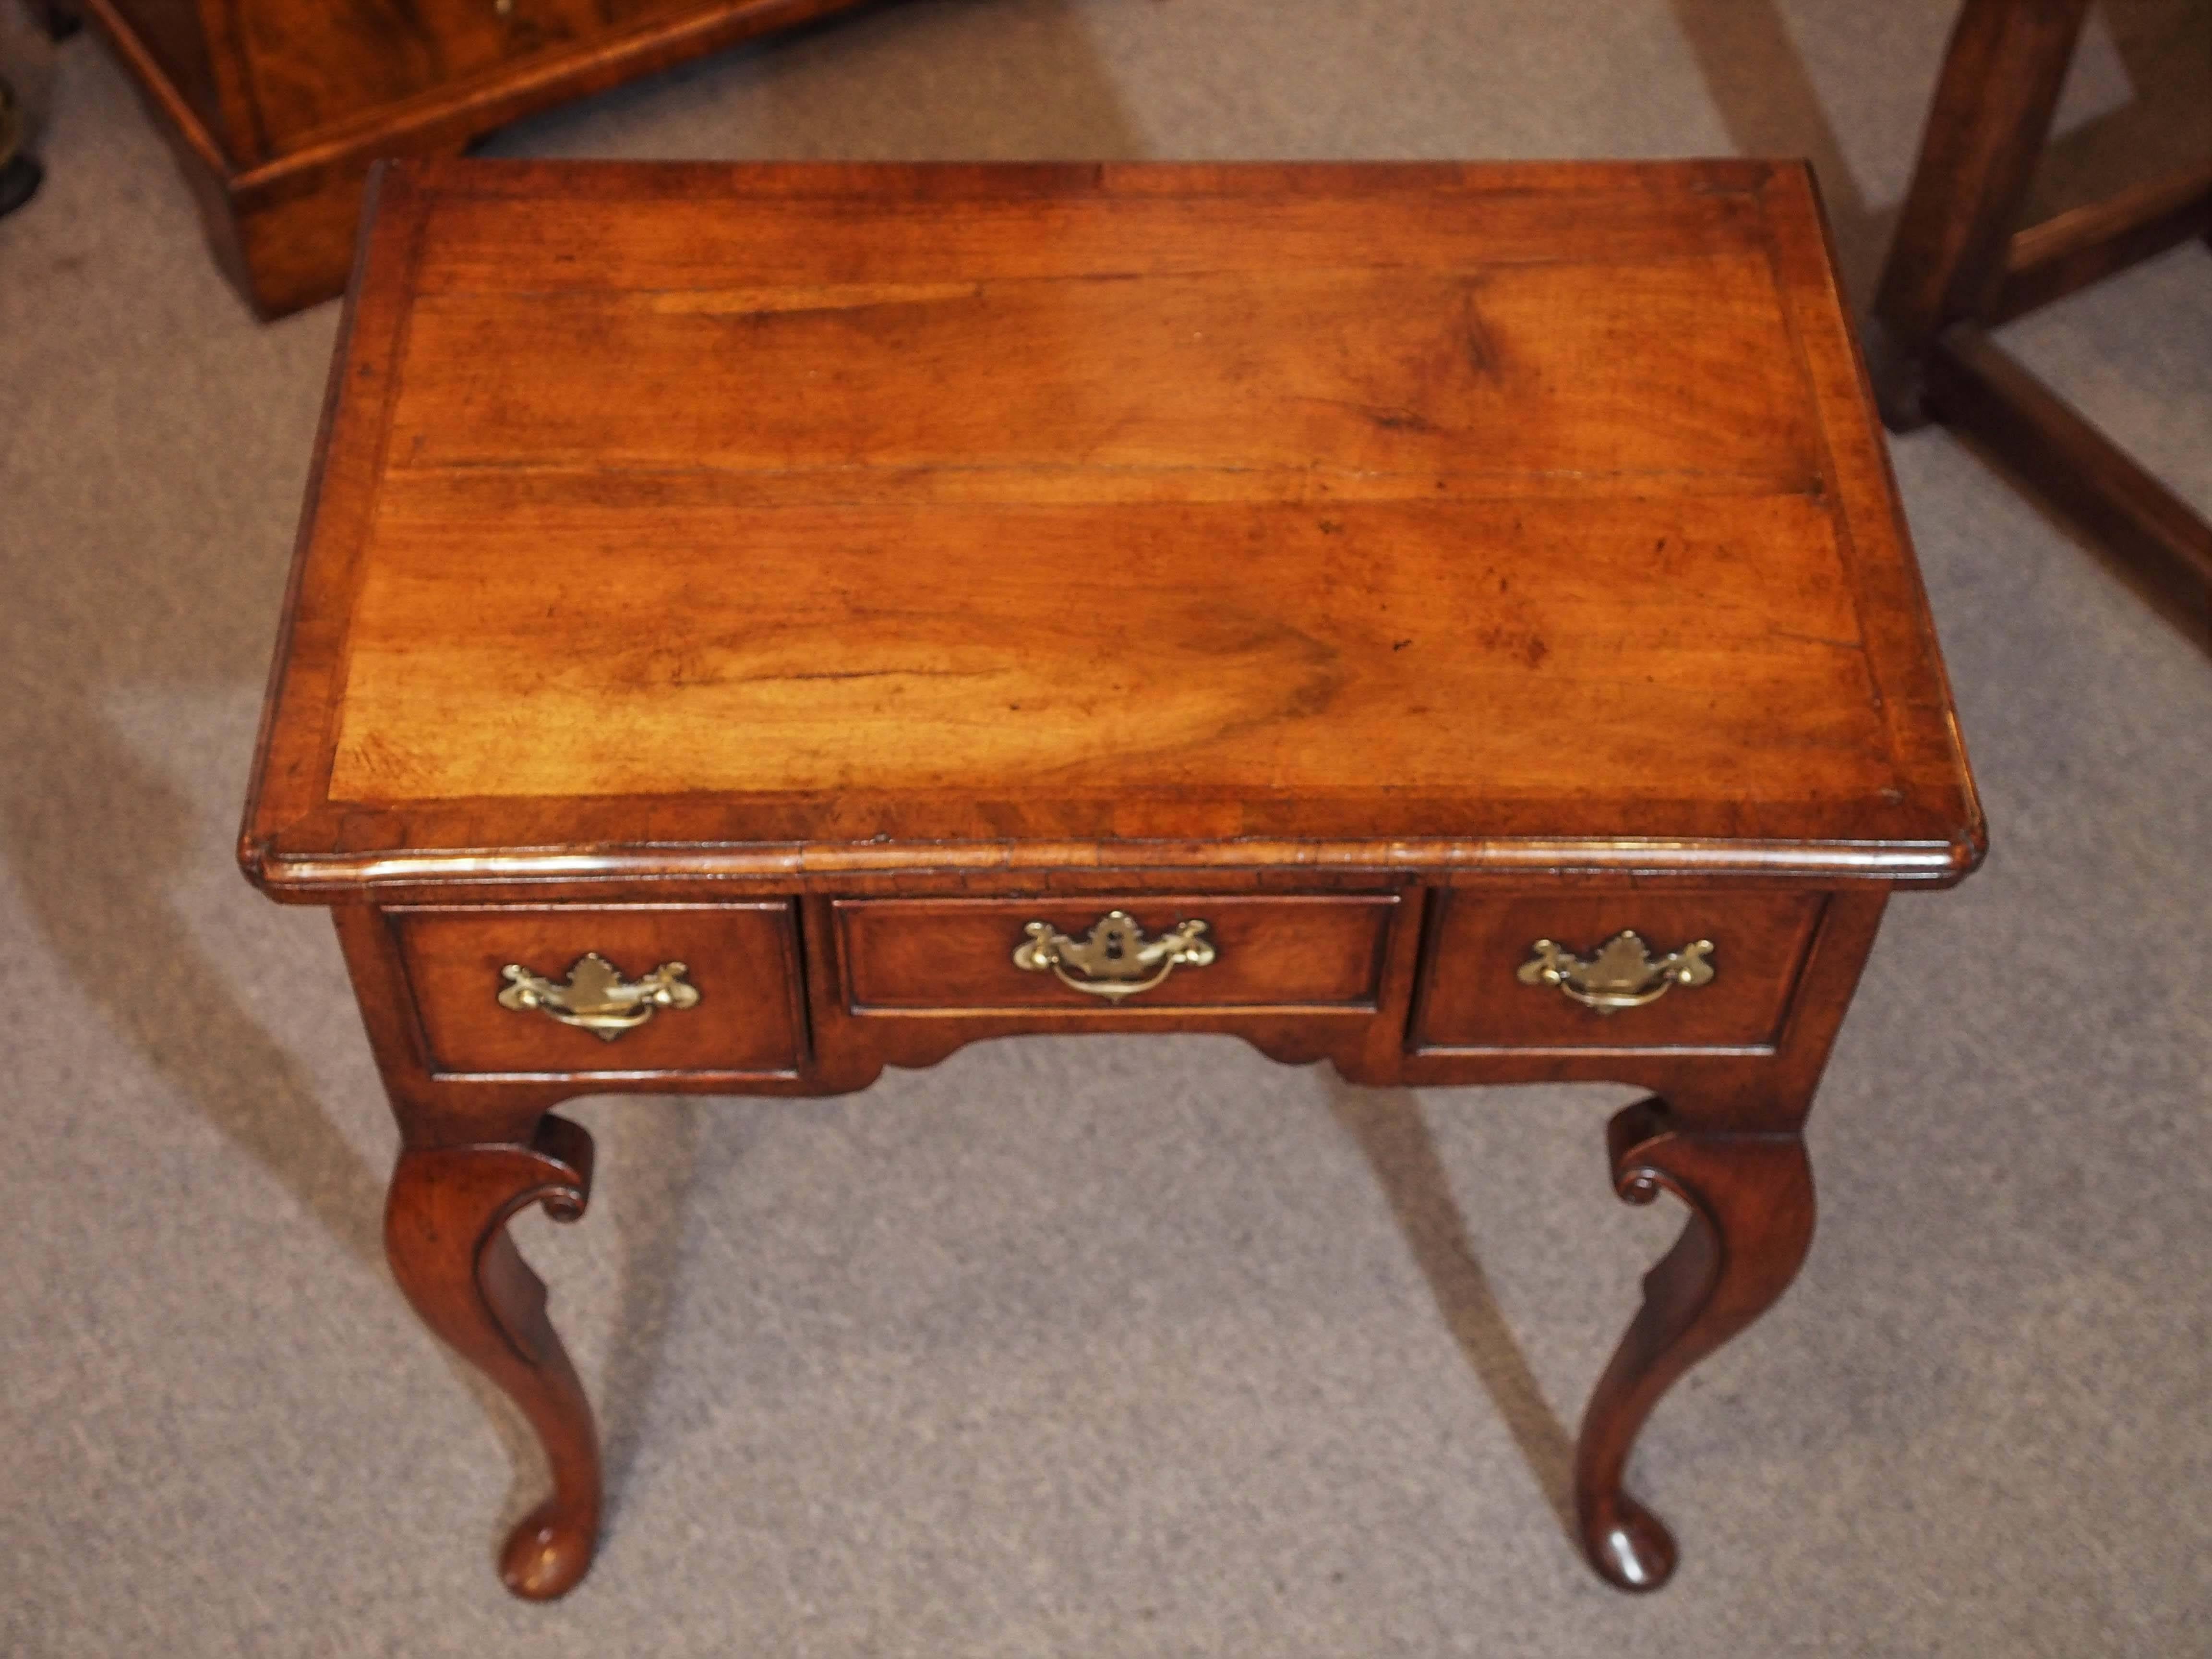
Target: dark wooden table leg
{"points": [[1750, 1197], [1994, 104], [446, 1233]]}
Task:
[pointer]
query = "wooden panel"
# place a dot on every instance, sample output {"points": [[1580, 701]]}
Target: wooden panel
{"points": [[277, 108], [320, 72], [1102, 654], [2088, 243], [1023, 513], [1471, 997], [1511, 372], [314, 65], [958, 954], [687, 228], [741, 958], [174, 34]]}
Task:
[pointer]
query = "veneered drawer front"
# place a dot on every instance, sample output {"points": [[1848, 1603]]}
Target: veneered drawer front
{"points": [[312, 66], [957, 955], [741, 959], [1473, 995]]}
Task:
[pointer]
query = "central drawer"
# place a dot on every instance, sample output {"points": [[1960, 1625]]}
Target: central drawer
{"points": [[1106, 954]]}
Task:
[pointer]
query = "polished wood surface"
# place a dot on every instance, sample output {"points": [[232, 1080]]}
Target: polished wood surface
{"points": [[741, 958], [951, 955], [446, 1236], [1750, 1200], [1472, 999], [276, 109], [969, 506], [1961, 263], [1390, 566]]}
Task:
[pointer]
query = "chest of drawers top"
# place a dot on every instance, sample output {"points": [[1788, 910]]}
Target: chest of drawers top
{"points": [[806, 523]]}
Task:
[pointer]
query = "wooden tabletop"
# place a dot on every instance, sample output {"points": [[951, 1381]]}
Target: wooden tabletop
{"points": [[803, 519]]}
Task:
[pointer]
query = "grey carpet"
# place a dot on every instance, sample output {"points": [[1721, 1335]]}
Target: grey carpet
{"points": [[1120, 1349]]}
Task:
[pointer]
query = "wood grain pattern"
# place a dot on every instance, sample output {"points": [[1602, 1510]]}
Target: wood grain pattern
{"points": [[741, 958], [1034, 659], [309, 69], [277, 109], [446, 1236], [955, 955], [1750, 1200], [1180, 505], [1474, 370], [1471, 999]]}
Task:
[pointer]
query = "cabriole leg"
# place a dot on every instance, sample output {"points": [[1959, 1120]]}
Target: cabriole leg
{"points": [[1750, 1197], [446, 1234]]}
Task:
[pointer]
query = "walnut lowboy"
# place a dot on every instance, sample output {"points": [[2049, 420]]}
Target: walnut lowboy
{"points": [[1233, 645]]}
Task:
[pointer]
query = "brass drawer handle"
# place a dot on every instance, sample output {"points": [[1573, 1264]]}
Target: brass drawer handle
{"points": [[1115, 959], [1622, 975], [596, 997]]}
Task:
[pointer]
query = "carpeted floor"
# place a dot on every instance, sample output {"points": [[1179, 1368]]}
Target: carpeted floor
{"points": [[1125, 1349]]}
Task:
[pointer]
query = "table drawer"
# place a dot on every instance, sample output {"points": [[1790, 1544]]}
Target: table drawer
{"points": [[1098, 955], [622, 989], [1487, 980]]}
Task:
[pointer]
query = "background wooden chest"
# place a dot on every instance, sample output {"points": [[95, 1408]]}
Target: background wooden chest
{"points": [[275, 108]]}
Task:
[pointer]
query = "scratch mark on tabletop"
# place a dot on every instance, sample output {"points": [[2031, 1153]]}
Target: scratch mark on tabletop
{"points": [[1482, 354], [833, 296], [1816, 639], [885, 674]]}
